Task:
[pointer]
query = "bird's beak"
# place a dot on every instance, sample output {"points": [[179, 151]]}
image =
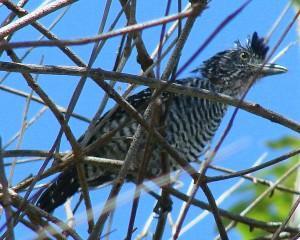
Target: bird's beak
{"points": [[272, 69]]}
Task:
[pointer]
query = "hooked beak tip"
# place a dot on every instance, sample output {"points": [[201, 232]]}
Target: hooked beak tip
{"points": [[272, 69]]}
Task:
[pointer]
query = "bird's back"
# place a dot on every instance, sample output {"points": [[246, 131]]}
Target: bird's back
{"points": [[189, 125]]}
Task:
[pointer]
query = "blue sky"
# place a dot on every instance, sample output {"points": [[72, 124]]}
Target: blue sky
{"points": [[247, 139]]}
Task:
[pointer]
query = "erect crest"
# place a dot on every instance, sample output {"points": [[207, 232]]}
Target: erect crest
{"points": [[256, 45]]}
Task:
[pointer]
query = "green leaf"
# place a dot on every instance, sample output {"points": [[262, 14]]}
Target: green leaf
{"points": [[285, 142], [297, 3], [273, 207]]}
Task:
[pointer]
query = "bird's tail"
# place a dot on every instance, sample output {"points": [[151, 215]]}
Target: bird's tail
{"points": [[59, 191], [65, 186]]}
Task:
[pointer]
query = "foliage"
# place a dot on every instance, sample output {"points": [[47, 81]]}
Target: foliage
{"points": [[274, 207]]}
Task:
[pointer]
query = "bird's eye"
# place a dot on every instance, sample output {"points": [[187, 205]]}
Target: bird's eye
{"points": [[244, 56]]}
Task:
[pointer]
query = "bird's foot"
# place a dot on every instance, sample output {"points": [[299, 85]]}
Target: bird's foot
{"points": [[163, 205]]}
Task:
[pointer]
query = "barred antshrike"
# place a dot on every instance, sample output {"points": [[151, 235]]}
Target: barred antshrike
{"points": [[190, 122]]}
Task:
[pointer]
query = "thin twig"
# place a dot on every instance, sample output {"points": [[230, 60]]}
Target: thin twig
{"points": [[6, 200], [23, 128], [287, 219], [52, 25], [267, 226], [10, 18], [215, 211], [39, 100], [36, 212], [143, 57], [267, 192], [27, 124], [257, 180], [133, 28], [256, 168], [33, 16]]}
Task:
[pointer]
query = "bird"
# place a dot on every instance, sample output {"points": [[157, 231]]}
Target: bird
{"points": [[190, 122]]}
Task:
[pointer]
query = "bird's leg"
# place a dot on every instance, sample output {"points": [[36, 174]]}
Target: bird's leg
{"points": [[162, 205]]}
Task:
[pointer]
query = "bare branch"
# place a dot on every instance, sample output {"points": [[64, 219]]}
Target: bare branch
{"points": [[153, 83], [6, 201], [133, 28], [28, 19]]}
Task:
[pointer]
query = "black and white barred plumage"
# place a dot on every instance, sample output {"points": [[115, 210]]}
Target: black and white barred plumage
{"points": [[190, 122]]}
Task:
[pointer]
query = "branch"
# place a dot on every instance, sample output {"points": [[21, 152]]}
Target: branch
{"points": [[107, 162], [132, 28], [130, 157], [152, 83], [215, 211], [6, 201], [252, 223], [64, 129], [174, 58], [39, 100], [253, 169], [29, 18], [143, 57], [35, 213]]}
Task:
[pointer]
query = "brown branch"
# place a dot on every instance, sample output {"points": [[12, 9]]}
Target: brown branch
{"points": [[287, 219], [28, 19], [130, 156], [174, 58], [109, 164], [35, 213], [152, 83], [6, 200], [256, 180], [27, 153], [140, 177], [143, 57], [253, 169], [133, 28], [48, 102], [164, 201], [45, 154], [64, 126], [252, 223], [215, 211]]}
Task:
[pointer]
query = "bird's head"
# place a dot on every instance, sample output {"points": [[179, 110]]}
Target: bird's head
{"points": [[231, 71]]}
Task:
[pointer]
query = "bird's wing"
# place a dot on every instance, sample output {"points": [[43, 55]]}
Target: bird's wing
{"points": [[139, 101]]}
